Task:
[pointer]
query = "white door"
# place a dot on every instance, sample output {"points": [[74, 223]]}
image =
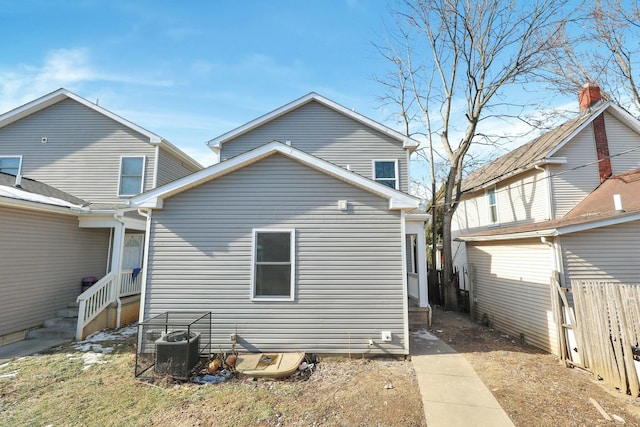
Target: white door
{"points": [[132, 255]]}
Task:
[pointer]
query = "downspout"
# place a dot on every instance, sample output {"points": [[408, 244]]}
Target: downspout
{"points": [[108, 269], [145, 261], [549, 200]]}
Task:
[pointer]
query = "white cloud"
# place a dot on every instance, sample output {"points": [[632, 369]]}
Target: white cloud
{"points": [[69, 68]]}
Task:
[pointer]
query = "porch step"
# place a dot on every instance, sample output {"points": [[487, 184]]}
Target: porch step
{"points": [[58, 332], [73, 304], [67, 312], [62, 322]]}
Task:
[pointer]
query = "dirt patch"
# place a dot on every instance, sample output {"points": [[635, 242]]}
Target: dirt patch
{"points": [[532, 386]]}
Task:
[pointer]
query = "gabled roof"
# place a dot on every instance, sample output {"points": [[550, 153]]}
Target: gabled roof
{"points": [[33, 191], [62, 94], [153, 198], [540, 150], [594, 211], [216, 143]]}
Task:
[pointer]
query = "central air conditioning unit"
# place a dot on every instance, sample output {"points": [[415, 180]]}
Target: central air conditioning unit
{"points": [[177, 353]]}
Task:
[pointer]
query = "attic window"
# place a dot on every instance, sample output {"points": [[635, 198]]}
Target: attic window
{"points": [[273, 264], [492, 205], [386, 172], [131, 175], [10, 165]]}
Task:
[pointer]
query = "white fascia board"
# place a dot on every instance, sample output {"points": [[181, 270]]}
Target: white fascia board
{"points": [[42, 207], [625, 117], [529, 167], [579, 129], [621, 219], [551, 232], [407, 143], [153, 199], [59, 95], [418, 217]]}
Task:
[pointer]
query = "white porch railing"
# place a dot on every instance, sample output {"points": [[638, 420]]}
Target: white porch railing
{"points": [[95, 299], [105, 291], [130, 285]]}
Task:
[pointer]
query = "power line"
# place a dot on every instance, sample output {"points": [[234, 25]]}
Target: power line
{"points": [[552, 175]]}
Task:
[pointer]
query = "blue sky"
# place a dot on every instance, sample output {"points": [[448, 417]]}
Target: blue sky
{"points": [[190, 71]]}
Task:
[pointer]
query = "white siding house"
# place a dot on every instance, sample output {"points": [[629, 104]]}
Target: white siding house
{"points": [[308, 178], [68, 167], [554, 211]]}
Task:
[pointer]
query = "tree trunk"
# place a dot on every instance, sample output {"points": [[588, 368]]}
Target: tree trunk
{"points": [[450, 285]]}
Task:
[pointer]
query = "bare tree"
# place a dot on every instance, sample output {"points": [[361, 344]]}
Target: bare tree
{"points": [[457, 57], [603, 50]]}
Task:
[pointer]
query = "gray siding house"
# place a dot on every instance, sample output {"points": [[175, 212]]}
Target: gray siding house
{"points": [[67, 169], [296, 240], [548, 207]]}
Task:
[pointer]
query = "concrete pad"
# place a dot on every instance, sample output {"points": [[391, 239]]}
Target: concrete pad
{"points": [[452, 393], [27, 347]]}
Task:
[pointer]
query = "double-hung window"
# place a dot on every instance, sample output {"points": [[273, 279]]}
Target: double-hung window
{"points": [[492, 205], [386, 172], [11, 165], [273, 269], [131, 175]]}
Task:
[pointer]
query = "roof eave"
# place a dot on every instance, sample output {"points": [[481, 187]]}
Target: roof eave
{"points": [[61, 94], [216, 143], [152, 199]]}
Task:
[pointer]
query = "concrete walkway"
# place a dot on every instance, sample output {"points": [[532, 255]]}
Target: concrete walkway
{"points": [[27, 347], [452, 393]]}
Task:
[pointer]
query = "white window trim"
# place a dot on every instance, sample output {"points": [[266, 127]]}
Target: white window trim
{"points": [[376, 179], [495, 196], [144, 169], [292, 234], [19, 163]]}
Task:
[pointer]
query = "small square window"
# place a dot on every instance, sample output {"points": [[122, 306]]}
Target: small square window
{"points": [[11, 165], [386, 172], [273, 264], [131, 175]]}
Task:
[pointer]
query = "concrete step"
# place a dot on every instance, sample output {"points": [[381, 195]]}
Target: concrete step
{"points": [[73, 304], [62, 322], [67, 312], [51, 333]]}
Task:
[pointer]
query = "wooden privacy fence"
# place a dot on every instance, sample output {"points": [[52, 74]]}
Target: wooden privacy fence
{"points": [[606, 327]]}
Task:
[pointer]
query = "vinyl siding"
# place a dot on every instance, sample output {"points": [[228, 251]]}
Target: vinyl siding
{"points": [[327, 134], [621, 139], [82, 153], [573, 181], [171, 168], [609, 253], [43, 258], [513, 294], [519, 200], [349, 281]]}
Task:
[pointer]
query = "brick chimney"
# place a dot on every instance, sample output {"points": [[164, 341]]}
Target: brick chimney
{"points": [[588, 96]]}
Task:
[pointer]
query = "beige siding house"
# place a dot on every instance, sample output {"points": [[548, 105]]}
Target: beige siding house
{"points": [[67, 169], [297, 239], [548, 207]]}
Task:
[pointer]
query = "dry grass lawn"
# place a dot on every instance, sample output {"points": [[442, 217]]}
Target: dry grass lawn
{"points": [[65, 388]]}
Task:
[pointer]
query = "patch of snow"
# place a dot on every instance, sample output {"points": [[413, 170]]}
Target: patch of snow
{"points": [[424, 334], [4, 365], [96, 348], [115, 335], [89, 359], [11, 374]]}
